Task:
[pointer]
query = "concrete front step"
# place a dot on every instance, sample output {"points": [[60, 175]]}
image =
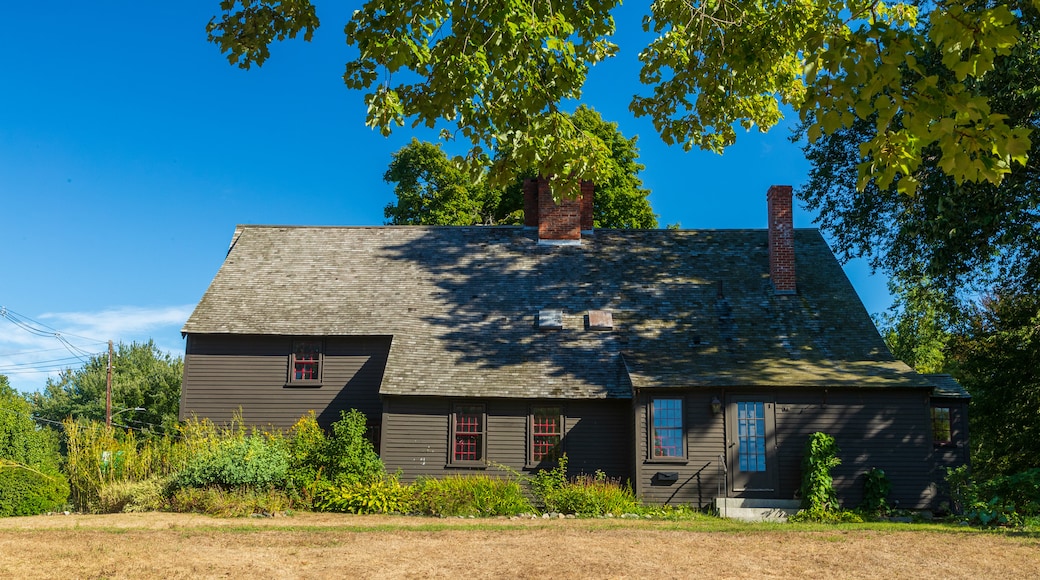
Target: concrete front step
{"points": [[755, 509]]}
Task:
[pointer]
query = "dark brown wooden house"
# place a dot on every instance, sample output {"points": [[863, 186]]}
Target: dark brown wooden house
{"points": [[693, 363]]}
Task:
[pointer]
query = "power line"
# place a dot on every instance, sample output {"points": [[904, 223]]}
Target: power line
{"points": [[25, 352], [14, 366], [45, 331], [37, 328]]}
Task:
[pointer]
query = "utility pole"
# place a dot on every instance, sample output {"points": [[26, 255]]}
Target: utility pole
{"points": [[108, 389]]}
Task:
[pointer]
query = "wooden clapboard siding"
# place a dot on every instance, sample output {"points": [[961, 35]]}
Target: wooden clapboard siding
{"points": [[700, 476], [416, 430], [888, 429], [224, 374]]}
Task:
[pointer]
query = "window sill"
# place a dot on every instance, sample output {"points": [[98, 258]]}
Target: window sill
{"points": [[466, 465], [666, 461], [303, 385], [543, 465]]}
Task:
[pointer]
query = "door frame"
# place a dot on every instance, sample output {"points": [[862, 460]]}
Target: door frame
{"points": [[767, 484]]}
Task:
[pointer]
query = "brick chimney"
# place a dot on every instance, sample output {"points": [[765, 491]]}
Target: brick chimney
{"points": [[781, 239], [557, 223]]}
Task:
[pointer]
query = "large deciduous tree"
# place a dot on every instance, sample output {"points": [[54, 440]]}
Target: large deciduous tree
{"points": [[495, 72], [996, 355], [142, 376], [947, 235], [431, 190]]}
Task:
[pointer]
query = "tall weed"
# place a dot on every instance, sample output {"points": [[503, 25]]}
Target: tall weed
{"points": [[98, 456], [585, 495]]}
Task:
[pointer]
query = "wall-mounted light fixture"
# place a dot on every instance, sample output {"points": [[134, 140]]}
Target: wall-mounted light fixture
{"points": [[716, 405]]}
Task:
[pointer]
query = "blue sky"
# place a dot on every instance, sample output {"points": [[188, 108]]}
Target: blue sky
{"points": [[130, 149]]}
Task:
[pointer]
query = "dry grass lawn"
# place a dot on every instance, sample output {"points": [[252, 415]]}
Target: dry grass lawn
{"points": [[161, 545]]}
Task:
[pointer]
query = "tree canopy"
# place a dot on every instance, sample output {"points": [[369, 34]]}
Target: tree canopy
{"points": [[142, 376], [495, 74], [948, 236], [995, 353], [431, 190]]}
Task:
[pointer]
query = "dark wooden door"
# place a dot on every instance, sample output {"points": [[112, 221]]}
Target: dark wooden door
{"points": [[750, 441]]}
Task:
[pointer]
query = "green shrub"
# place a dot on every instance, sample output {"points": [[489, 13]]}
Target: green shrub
{"points": [[308, 456], [227, 503], [817, 489], [133, 496], [876, 488], [351, 457], [384, 496], [30, 480], [1019, 489], [257, 461], [469, 495], [25, 491], [585, 495], [1002, 501]]}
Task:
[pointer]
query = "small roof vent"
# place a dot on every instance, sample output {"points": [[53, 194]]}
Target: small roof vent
{"points": [[550, 320], [601, 320]]}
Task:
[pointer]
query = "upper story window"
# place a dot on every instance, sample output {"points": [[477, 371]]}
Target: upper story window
{"points": [[546, 434], [305, 362], [941, 431], [667, 435], [467, 435]]}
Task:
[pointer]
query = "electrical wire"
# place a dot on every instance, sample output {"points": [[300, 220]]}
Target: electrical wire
{"points": [[37, 328], [64, 360]]}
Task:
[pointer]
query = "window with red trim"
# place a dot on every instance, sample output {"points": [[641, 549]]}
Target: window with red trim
{"points": [[305, 362], [546, 434], [941, 431], [467, 434]]}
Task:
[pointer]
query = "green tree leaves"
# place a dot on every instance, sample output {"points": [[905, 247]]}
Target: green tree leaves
{"points": [[142, 376], [247, 27], [997, 356], [431, 189], [30, 482], [495, 72], [953, 237]]}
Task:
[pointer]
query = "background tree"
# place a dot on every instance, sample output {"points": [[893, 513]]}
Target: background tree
{"points": [[916, 331], [996, 355], [494, 73], [432, 190], [142, 376]]}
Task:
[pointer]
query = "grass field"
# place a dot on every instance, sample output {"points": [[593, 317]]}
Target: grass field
{"points": [[305, 545]]}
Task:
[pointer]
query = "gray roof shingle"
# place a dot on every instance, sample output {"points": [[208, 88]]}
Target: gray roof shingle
{"points": [[690, 308], [947, 386]]}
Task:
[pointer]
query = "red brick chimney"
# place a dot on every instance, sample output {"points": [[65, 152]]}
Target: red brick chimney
{"points": [[781, 239], [561, 223]]}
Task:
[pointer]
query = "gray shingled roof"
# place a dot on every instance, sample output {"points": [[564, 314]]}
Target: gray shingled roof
{"points": [[690, 308], [947, 386]]}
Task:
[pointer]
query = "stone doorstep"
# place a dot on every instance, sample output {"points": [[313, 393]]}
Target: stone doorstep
{"points": [[756, 510]]}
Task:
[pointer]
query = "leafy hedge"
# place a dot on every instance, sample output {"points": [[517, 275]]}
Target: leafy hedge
{"points": [[25, 491], [30, 480]]}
